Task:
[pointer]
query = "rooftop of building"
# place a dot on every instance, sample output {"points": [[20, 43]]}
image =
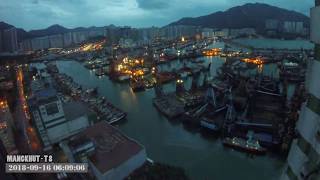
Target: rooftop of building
{"points": [[43, 96], [112, 148], [42, 81], [75, 109]]}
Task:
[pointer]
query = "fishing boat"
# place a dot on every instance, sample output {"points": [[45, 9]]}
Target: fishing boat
{"points": [[117, 117], [250, 145], [213, 122], [209, 124], [192, 117], [199, 61], [185, 72], [211, 52], [164, 77], [169, 106], [123, 78], [91, 65], [137, 84], [92, 91], [148, 83], [292, 72], [99, 72]]}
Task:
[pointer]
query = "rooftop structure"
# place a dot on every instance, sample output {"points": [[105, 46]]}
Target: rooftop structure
{"points": [[55, 120], [110, 154]]}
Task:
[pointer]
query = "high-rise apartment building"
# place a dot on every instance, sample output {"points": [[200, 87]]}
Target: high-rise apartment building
{"points": [[304, 156]]}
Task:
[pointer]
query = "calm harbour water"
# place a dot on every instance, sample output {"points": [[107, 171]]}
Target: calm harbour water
{"points": [[276, 43], [201, 156]]}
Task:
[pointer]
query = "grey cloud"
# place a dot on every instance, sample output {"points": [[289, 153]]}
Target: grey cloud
{"points": [[34, 14], [152, 4]]}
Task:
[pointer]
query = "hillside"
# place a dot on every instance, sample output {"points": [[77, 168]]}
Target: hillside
{"points": [[251, 15]]}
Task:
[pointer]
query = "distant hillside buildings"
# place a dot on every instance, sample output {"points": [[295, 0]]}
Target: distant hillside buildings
{"points": [[128, 37], [114, 34], [273, 27], [8, 40], [61, 40], [227, 33]]}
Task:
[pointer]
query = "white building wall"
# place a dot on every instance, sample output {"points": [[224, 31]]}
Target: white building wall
{"points": [[296, 158], [67, 129], [315, 25], [307, 124], [42, 132], [314, 88], [57, 133]]}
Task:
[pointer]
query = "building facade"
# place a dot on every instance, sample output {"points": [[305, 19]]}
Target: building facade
{"points": [[9, 40], [55, 120], [294, 27], [304, 157], [177, 31], [6, 127], [56, 41], [1, 41]]}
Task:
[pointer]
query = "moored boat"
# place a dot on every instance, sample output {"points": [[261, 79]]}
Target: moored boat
{"points": [[137, 84], [209, 124], [250, 145]]}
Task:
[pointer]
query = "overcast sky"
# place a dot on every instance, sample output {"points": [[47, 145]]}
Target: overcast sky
{"points": [[37, 14]]}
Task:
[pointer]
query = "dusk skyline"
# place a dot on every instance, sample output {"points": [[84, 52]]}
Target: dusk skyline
{"points": [[39, 14]]}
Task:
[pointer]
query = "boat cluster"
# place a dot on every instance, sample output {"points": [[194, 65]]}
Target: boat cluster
{"points": [[251, 112], [98, 104]]}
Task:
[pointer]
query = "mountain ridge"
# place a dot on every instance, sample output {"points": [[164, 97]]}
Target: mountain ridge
{"points": [[250, 15]]}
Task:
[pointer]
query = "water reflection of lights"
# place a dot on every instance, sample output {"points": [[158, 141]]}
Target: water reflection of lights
{"points": [[260, 68], [129, 97], [257, 60]]}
